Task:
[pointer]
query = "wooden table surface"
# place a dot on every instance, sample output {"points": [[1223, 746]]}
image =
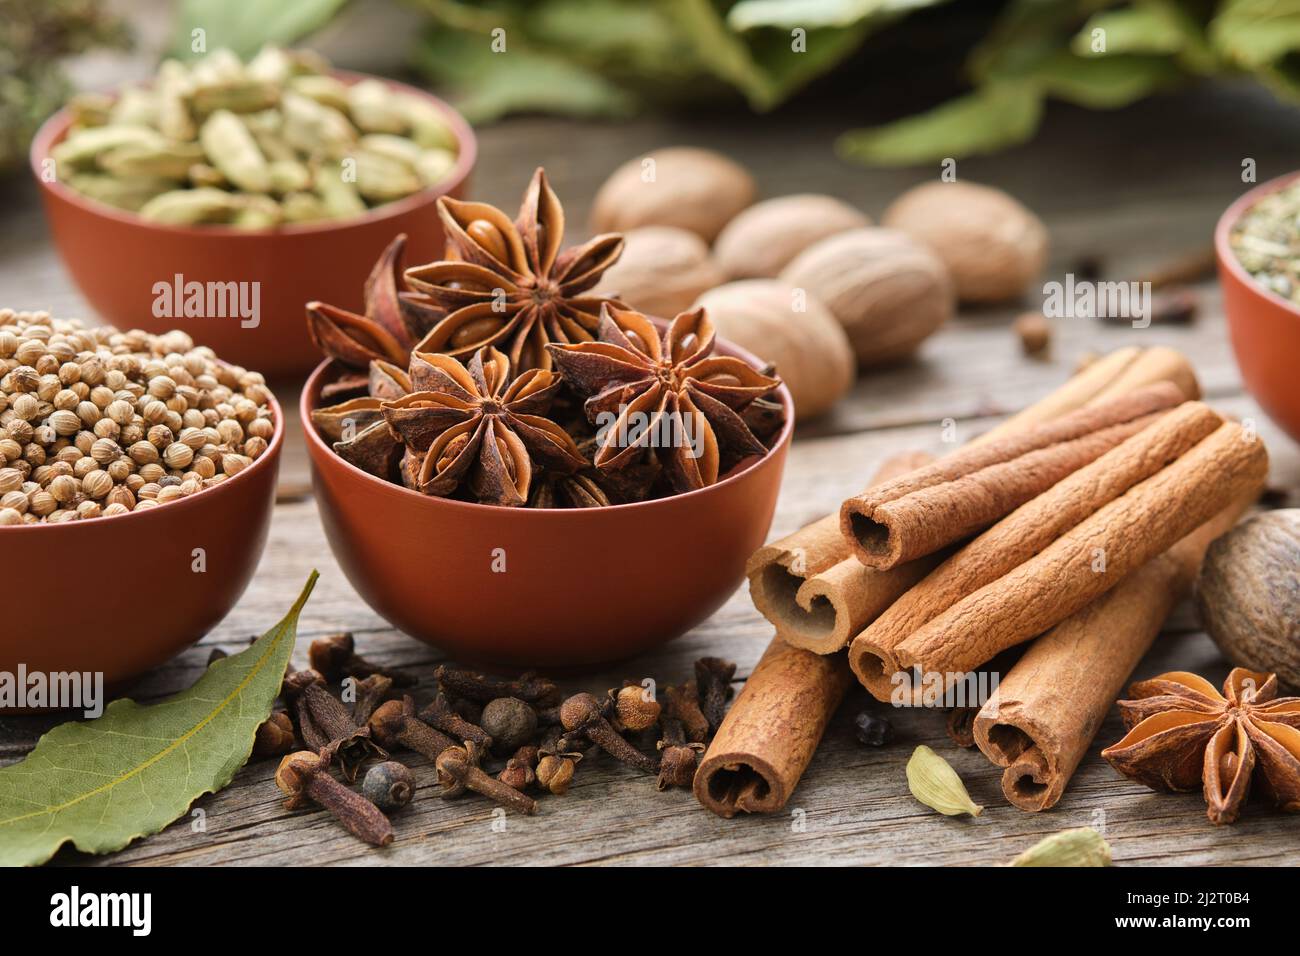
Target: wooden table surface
{"points": [[1132, 189]]}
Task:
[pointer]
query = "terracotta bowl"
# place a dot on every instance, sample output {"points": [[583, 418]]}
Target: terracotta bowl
{"points": [[116, 257], [580, 587], [1264, 327], [119, 595]]}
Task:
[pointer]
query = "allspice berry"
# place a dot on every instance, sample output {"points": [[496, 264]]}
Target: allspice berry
{"points": [[1035, 334], [888, 291], [791, 329], [992, 246], [695, 189], [510, 723]]}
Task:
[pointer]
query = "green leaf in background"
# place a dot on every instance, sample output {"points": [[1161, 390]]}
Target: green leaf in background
{"points": [[1255, 33], [103, 783], [992, 118], [520, 79], [1104, 82], [248, 25], [816, 14]]}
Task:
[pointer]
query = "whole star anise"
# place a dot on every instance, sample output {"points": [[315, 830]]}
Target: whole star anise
{"points": [[1183, 734], [664, 392], [479, 427], [388, 331], [507, 284]]}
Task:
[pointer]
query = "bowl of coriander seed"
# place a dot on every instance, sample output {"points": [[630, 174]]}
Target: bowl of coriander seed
{"points": [[222, 195], [137, 478]]}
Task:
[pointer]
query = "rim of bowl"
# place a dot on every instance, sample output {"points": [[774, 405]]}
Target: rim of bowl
{"points": [[306, 405], [56, 127], [181, 505], [1223, 230]]}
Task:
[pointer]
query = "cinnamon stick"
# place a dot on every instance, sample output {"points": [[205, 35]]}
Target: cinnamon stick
{"points": [[932, 507], [1021, 535], [818, 596], [1091, 558], [772, 730], [1043, 716]]}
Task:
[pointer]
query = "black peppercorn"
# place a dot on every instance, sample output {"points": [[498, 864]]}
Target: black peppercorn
{"points": [[872, 729], [388, 785], [510, 722]]}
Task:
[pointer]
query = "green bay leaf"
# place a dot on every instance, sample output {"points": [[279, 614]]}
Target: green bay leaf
{"points": [[989, 119], [103, 783], [247, 26]]}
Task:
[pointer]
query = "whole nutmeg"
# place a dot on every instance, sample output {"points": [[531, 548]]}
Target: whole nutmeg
{"points": [[886, 290], [510, 723], [1248, 594], [763, 239], [792, 330], [662, 270], [992, 245], [683, 186]]}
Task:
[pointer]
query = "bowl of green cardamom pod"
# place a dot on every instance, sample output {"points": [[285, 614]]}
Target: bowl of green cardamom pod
{"points": [[224, 194]]}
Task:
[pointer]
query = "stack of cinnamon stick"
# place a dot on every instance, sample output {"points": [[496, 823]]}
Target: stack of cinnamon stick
{"points": [[1076, 524]]}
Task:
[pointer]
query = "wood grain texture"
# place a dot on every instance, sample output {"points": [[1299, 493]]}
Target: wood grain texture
{"points": [[1132, 206]]}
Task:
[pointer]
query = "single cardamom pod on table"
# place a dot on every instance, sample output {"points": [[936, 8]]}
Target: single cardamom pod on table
{"points": [[1082, 846], [933, 781]]}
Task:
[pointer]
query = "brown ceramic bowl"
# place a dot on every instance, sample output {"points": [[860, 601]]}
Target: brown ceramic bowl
{"points": [[116, 258], [1264, 327], [119, 595], [580, 587]]}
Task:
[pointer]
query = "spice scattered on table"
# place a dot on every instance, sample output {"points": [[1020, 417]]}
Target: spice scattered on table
{"points": [[1081, 846], [96, 422], [278, 140], [934, 783], [1184, 735]]}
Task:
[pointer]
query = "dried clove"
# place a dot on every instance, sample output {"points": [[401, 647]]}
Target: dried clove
{"points": [[713, 679], [581, 714], [457, 773], [325, 724], [394, 723], [633, 706], [511, 723], [557, 761], [304, 776], [336, 658], [521, 769], [274, 736], [677, 758], [683, 703], [459, 682], [371, 692], [440, 715], [388, 785]]}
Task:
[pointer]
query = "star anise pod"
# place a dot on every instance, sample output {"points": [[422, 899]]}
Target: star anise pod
{"points": [[478, 427], [507, 284], [664, 392], [1183, 734]]}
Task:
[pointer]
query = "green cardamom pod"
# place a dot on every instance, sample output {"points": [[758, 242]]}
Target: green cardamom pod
{"points": [[1082, 846], [238, 96], [339, 196], [304, 207], [933, 781], [429, 128], [188, 207], [170, 160], [381, 178], [374, 108], [134, 107], [289, 176], [230, 147], [435, 165], [82, 147], [129, 194], [310, 127], [323, 89]]}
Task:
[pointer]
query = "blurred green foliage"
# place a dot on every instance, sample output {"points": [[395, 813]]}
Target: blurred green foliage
{"points": [[34, 34], [612, 57]]}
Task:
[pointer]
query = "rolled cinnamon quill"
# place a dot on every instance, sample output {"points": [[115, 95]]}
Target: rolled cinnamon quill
{"points": [[1045, 713], [772, 730], [932, 507], [1019, 537], [1092, 557], [818, 595]]}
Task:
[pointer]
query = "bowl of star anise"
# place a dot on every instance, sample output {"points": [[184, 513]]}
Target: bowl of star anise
{"points": [[527, 475]]}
